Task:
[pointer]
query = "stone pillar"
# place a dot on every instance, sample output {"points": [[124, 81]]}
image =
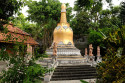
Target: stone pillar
{"points": [[99, 59]]}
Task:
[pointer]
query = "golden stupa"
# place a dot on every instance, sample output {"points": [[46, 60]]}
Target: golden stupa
{"points": [[63, 36]]}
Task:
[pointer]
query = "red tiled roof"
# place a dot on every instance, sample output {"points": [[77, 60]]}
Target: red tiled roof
{"points": [[14, 29], [15, 34]]}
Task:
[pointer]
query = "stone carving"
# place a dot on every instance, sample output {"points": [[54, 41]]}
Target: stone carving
{"points": [[69, 43], [90, 50], [86, 55], [91, 57], [58, 27], [60, 43], [65, 27], [63, 10], [99, 59], [86, 52], [54, 56], [98, 51]]}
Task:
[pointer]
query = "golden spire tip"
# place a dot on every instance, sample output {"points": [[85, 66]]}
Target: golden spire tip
{"points": [[63, 6]]}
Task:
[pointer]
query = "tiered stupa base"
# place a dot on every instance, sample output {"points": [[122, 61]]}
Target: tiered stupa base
{"points": [[65, 51], [67, 55]]}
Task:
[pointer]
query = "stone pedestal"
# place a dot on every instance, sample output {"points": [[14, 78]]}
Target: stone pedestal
{"points": [[86, 58], [91, 58], [99, 59]]}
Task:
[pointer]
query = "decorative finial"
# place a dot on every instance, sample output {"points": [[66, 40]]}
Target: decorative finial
{"points": [[63, 6], [63, 18]]}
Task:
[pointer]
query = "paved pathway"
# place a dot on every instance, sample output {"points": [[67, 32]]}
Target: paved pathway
{"points": [[74, 81], [66, 81]]}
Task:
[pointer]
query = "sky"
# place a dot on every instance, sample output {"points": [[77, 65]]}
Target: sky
{"points": [[71, 3]]}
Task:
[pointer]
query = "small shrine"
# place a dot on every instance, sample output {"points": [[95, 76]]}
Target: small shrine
{"points": [[15, 35]]}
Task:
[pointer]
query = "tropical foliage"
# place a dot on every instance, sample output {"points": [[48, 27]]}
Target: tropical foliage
{"points": [[112, 68]]}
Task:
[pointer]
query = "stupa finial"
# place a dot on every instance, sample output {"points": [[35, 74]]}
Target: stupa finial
{"points": [[63, 18], [63, 6]]}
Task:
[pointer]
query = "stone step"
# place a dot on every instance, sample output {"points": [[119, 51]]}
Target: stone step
{"points": [[63, 66], [73, 75], [66, 68], [74, 72], [70, 70], [70, 57], [73, 78]]}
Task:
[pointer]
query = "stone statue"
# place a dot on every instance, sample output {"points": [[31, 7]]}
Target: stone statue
{"points": [[91, 58], [99, 59], [98, 51], [86, 52], [90, 50], [54, 50], [86, 55]]}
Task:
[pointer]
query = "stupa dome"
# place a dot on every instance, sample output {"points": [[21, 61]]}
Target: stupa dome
{"points": [[63, 34]]}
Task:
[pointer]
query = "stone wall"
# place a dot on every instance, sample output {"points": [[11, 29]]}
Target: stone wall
{"points": [[81, 44]]}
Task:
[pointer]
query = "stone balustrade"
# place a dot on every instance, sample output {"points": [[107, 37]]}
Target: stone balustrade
{"points": [[90, 58]]}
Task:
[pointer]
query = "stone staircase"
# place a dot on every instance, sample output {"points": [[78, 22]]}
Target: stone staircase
{"points": [[74, 72], [66, 60]]}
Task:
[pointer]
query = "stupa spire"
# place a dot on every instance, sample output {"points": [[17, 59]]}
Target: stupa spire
{"points": [[63, 18]]}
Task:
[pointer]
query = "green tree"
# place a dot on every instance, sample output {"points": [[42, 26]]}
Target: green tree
{"points": [[7, 9], [122, 13], [21, 22], [80, 24]]}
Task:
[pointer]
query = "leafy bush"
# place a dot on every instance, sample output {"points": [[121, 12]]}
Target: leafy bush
{"points": [[112, 69], [20, 70], [23, 73]]}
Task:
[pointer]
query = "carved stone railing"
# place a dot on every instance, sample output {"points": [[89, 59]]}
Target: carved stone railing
{"points": [[90, 59], [52, 66]]}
